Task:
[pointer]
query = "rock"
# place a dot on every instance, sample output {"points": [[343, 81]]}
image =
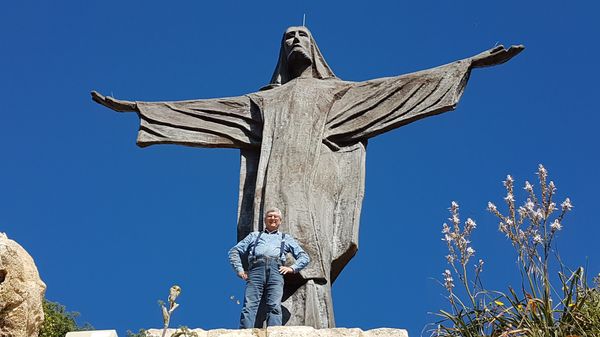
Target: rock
{"points": [[21, 291], [288, 331]]}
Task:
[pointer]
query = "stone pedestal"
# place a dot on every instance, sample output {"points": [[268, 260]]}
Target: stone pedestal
{"points": [[95, 333], [288, 331]]}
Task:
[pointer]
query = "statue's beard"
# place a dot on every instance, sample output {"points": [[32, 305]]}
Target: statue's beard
{"points": [[298, 61]]}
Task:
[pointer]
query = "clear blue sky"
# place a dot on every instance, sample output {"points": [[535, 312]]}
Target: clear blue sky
{"points": [[113, 226]]}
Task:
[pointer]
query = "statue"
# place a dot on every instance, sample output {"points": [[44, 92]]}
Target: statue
{"points": [[302, 141]]}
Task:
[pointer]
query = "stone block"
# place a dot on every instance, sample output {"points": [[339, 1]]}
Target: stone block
{"points": [[94, 333], [282, 331], [385, 332]]}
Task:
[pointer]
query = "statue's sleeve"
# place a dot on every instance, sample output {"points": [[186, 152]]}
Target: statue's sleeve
{"points": [[366, 109], [233, 122]]}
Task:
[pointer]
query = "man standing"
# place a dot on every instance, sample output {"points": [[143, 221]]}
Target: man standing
{"points": [[266, 253]]}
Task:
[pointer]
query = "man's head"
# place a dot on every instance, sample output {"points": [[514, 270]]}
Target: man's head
{"points": [[272, 219]]}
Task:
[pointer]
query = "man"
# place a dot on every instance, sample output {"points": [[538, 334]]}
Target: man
{"points": [[266, 252], [303, 142]]}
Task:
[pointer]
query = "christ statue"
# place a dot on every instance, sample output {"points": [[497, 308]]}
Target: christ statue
{"points": [[302, 141]]}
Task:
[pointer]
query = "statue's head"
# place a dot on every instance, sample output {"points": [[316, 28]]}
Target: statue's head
{"points": [[298, 49], [296, 45]]}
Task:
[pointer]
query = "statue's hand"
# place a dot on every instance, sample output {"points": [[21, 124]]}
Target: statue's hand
{"points": [[115, 104], [494, 56]]}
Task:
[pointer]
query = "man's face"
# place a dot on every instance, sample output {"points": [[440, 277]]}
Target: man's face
{"points": [[297, 40], [272, 221]]}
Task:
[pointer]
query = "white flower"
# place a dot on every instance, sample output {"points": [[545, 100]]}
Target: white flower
{"points": [[566, 205], [509, 181], [450, 258], [542, 171], [448, 237], [470, 225], [470, 251], [503, 227], [538, 215], [448, 280], [445, 228], [551, 207], [538, 239], [552, 187], [556, 226], [529, 205], [528, 187], [479, 266], [174, 293], [455, 220], [453, 206], [491, 207]]}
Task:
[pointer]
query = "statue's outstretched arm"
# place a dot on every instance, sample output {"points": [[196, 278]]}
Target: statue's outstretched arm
{"points": [[115, 104], [367, 109], [233, 122]]}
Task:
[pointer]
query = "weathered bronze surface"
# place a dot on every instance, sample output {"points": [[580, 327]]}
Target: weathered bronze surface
{"points": [[302, 141]]}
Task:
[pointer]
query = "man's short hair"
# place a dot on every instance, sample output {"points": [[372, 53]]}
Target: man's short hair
{"points": [[274, 210]]}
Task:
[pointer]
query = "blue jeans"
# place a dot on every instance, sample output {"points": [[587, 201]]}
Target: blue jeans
{"points": [[263, 279]]}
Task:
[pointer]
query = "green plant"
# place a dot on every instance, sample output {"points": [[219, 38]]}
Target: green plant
{"points": [[185, 332], [530, 310], [587, 316], [141, 333], [58, 321]]}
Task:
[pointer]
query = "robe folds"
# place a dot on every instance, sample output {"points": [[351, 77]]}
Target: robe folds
{"points": [[303, 147]]}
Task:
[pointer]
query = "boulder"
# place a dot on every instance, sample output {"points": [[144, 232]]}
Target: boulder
{"points": [[21, 291]]}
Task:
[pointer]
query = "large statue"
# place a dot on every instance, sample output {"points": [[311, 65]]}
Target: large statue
{"points": [[302, 141]]}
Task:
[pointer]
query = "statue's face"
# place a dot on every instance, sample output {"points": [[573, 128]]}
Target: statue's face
{"points": [[272, 221], [297, 41]]}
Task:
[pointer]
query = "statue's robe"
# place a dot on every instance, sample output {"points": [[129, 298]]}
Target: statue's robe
{"points": [[303, 147]]}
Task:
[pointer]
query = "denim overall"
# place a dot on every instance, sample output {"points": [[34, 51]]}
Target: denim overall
{"points": [[263, 278]]}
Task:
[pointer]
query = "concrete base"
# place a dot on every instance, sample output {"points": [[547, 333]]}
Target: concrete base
{"points": [[288, 331], [94, 333]]}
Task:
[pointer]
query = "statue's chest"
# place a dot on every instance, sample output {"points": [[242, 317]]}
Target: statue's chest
{"points": [[300, 110]]}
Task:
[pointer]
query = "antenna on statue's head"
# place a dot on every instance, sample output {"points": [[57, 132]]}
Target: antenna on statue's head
{"points": [[304, 20]]}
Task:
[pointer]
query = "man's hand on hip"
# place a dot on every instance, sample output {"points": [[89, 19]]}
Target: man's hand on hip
{"points": [[284, 270], [243, 275]]}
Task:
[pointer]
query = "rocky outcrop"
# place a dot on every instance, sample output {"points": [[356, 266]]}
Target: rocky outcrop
{"points": [[21, 291], [286, 331]]}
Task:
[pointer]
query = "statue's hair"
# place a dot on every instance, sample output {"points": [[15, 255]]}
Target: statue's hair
{"points": [[274, 210], [320, 68]]}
